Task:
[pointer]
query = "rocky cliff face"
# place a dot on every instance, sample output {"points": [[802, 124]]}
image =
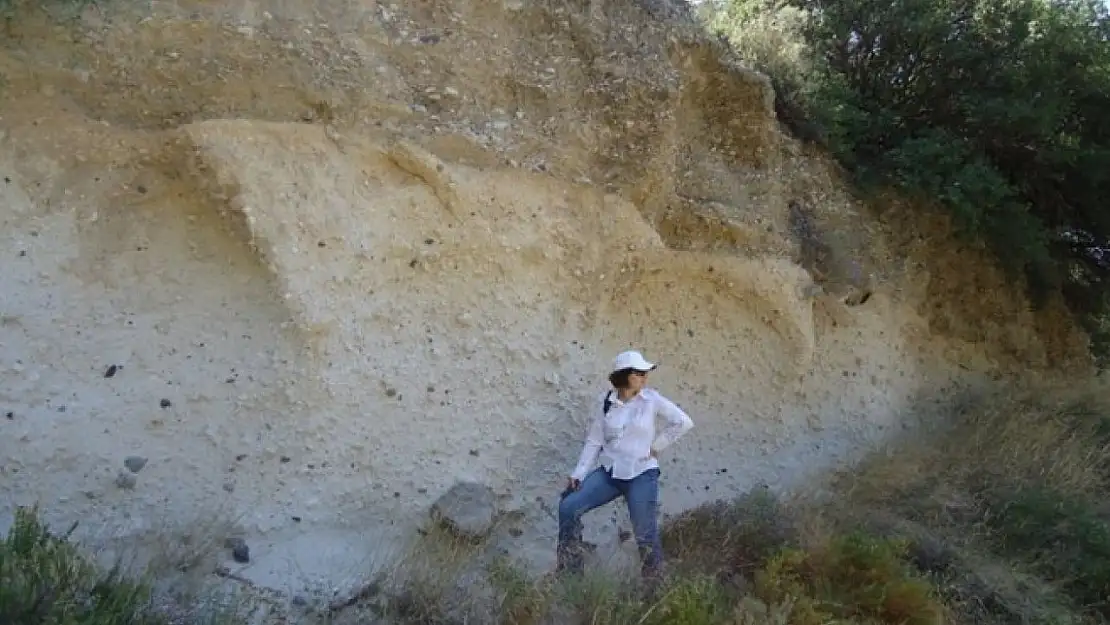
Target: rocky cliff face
{"points": [[315, 266]]}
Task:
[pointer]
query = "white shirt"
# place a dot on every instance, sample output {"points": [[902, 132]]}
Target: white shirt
{"points": [[624, 438]]}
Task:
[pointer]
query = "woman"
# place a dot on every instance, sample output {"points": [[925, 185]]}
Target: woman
{"points": [[622, 434]]}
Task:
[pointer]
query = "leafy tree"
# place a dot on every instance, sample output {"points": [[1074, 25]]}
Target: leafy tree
{"points": [[998, 109]]}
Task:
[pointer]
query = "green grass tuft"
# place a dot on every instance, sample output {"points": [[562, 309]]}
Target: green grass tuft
{"points": [[1064, 538], [45, 581]]}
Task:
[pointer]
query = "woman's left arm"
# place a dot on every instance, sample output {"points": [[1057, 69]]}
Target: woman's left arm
{"points": [[678, 423]]}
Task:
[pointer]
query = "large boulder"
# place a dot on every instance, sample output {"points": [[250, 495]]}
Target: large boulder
{"points": [[468, 509]]}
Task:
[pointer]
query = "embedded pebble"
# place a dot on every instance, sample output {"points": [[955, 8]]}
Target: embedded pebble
{"points": [[134, 464], [240, 551]]}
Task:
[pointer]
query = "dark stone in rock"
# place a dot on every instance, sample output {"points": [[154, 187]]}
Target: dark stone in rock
{"points": [[134, 464], [468, 509], [240, 551]]}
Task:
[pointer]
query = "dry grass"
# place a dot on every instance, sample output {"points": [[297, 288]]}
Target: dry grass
{"points": [[737, 563], [1054, 437], [1006, 509], [433, 580]]}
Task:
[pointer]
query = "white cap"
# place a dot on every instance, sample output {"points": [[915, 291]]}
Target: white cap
{"points": [[632, 360]]}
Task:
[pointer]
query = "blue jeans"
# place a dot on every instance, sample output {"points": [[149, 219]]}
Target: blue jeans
{"points": [[641, 493]]}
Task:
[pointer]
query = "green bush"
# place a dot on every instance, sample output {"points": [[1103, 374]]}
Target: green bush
{"points": [[45, 581], [737, 535], [1063, 538], [854, 579], [692, 600]]}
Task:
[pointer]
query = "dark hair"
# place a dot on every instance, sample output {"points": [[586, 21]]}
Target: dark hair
{"points": [[619, 379]]}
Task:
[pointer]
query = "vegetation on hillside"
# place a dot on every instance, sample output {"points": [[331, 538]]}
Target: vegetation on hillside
{"points": [[997, 110]]}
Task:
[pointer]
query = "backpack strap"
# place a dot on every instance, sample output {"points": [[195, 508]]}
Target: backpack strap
{"points": [[608, 403]]}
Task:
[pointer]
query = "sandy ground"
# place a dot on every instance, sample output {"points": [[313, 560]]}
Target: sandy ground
{"points": [[313, 296]]}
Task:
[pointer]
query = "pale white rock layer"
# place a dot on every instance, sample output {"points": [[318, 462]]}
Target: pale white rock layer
{"points": [[343, 329]]}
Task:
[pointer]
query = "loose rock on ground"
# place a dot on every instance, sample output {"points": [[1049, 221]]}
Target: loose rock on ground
{"points": [[468, 509]]}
